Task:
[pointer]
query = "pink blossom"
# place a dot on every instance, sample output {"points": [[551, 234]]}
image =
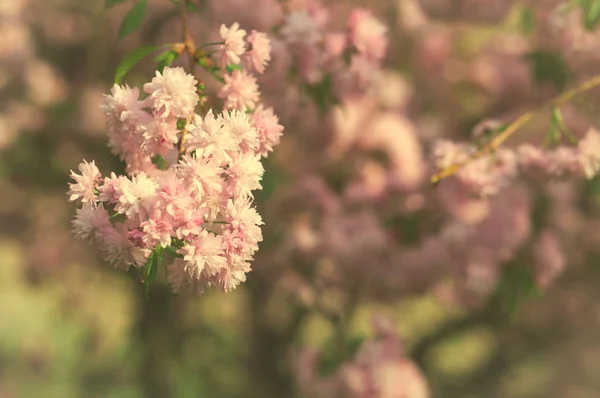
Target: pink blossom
{"points": [[136, 196], [378, 369], [301, 27], [204, 254], [268, 128], [397, 137], [533, 159], [85, 184], [118, 250], [125, 116], [172, 195], [198, 203], [108, 191], [189, 224], [446, 153], [488, 175], [485, 175], [203, 176], [234, 46], [90, 221], [172, 93], [259, 55], [549, 258], [240, 90], [589, 148], [230, 277], [160, 136], [367, 34], [158, 229], [245, 173], [123, 104], [238, 123], [241, 214], [181, 278], [564, 161], [212, 137]]}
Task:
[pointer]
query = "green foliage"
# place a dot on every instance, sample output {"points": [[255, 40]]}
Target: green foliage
{"points": [[151, 268], [131, 60], [160, 162], [527, 20], [515, 287], [111, 3], [591, 13], [181, 123], [166, 59], [549, 67], [322, 94], [231, 67], [558, 128], [330, 360], [133, 19], [206, 63]]}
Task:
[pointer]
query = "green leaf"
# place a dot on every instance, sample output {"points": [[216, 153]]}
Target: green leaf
{"points": [[527, 20], [177, 243], [591, 13], [231, 67], [152, 269], [165, 59], [111, 3], [558, 118], [516, 285], [181, 123], [549, 67], [133, 19], [160, 162], [173, 252], [116, 215], [131, 60]]}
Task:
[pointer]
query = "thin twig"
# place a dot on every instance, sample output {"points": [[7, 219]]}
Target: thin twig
{"points": [[515, 126], [190, 48]]}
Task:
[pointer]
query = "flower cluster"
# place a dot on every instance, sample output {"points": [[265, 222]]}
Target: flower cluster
{"points": [[350, 58], [188, 192], [486, 175], [379, 369], [250, 53]]}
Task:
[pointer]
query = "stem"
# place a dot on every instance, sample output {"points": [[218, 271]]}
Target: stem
{"points": [[188, 40], [159, 333], [515, 126], [190, 48], [181, 141], [214, 43]]}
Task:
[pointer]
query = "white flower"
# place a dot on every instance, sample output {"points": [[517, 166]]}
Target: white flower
{"points": [[234, 45], [85, 183], [173, 93], [90, 221], [589, 148]]}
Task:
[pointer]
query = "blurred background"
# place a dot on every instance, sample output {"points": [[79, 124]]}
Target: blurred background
{"points": [[350, 219]]}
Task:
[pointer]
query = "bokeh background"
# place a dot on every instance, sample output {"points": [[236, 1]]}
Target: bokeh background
{"points": [[71, 326]]}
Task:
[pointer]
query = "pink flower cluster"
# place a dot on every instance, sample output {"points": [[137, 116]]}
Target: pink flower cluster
{"points": [[197, 207], [487, 175], [379, 369], [251, 53], [351, 58]]}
